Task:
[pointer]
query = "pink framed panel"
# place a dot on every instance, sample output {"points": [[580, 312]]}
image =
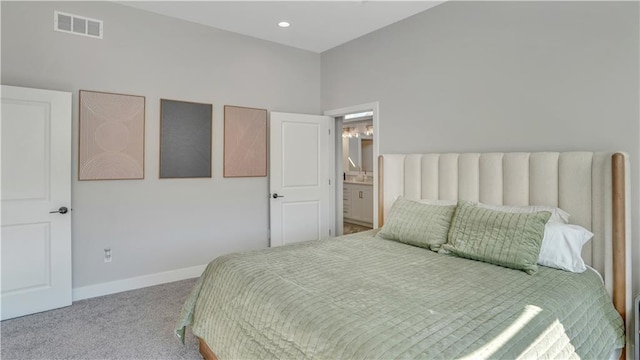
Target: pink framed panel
{"points": [[111, 136], [245, 142]]}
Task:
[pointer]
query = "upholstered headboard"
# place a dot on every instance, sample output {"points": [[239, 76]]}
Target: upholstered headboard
{"points": [[581, 183]]}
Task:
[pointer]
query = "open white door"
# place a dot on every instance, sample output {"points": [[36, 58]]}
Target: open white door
{"points": [[36, 198], [301, 173]]}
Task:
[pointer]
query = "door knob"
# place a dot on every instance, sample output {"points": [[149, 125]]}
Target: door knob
{"points": [[275, 196], [62, 210]]}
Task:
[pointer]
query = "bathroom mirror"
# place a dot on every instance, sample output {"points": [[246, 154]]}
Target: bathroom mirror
{"points": [[357, 148]]}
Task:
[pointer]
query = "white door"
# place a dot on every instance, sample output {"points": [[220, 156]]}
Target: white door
{"points": [[36, 181], [301, 173]]}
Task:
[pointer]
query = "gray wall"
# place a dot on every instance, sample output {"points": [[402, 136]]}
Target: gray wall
{"points": [[500, 76], [157, 225], [550, 76]]}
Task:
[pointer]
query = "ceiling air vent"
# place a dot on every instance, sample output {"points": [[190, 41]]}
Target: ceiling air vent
{"points": [[76, 24]]}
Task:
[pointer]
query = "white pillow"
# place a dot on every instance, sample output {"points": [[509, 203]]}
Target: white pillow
{"points": [[438, 202], [557, 214], [562, 246]]}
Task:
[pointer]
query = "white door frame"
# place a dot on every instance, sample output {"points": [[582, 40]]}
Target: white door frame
{"points": [[338, 205]]}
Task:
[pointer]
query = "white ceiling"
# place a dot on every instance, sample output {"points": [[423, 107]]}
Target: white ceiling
{"points": [[315, 25]]}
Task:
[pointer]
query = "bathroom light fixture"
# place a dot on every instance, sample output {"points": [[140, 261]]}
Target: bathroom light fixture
{"points": [[284, 24], [369, 130], [357, 131]]}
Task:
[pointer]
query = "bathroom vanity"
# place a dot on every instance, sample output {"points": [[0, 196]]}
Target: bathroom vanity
{"points": [[358, 202]]}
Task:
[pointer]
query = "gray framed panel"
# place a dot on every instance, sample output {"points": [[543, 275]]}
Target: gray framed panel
{"points": [[185, 139]]}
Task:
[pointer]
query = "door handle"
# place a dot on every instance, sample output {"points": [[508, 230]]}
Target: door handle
{"points": [[275, 196], [62, 210]]}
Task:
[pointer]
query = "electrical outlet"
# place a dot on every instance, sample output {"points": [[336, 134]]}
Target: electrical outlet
{"points": [[107, 255]]}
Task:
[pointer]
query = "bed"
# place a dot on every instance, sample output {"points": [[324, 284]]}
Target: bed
{"points": [[366, 296]]}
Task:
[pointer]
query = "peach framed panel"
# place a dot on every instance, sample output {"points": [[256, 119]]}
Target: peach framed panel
{"points": [[245, 142], [111, 136]]}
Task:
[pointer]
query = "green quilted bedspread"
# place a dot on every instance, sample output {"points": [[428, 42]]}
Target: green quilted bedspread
{"points": [[363, 297]]}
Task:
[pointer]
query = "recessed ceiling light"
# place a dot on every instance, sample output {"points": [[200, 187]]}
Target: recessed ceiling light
{"points": [[284, 24]]}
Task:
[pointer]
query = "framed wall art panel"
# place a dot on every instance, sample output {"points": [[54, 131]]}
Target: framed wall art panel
{"points": [[185, 139], [245, 142], [111, 136]]}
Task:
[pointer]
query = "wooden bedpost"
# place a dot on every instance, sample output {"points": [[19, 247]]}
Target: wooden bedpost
{"points": [[205, 351], [380, 191], [619, 238]]}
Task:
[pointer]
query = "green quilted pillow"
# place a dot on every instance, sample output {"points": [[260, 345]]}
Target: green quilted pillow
{"points": [[418, 224], [507, 239]]}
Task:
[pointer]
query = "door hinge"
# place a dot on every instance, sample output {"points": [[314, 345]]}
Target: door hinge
{"points": [[329, 131], [329, 181], [329, 232]]}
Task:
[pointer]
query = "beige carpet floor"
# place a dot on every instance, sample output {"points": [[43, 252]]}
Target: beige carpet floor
{"points": [[135, 324]]}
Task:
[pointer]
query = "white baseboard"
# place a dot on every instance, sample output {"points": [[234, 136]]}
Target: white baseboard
{"points": [[137, 282]]}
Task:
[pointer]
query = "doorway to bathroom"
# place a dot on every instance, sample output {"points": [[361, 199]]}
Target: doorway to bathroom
{"points": [[356, 139]]}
